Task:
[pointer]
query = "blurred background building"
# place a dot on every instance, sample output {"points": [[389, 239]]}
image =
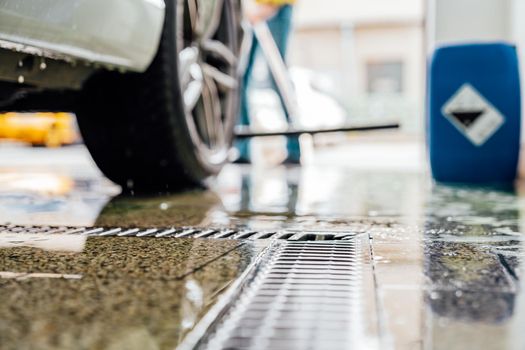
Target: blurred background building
{"points": [[369, 55]]}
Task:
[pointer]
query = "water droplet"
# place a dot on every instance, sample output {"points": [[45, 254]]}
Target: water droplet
{"points": [[43, 65], [21, 79]]}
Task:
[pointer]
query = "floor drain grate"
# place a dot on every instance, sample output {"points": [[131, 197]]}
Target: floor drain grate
{"points": [[181, 232], [302, 295]]}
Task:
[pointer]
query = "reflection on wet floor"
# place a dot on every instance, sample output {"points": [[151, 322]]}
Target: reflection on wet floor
{"points": [[69, 192], [448, 261], [455, 272], [275, 198], [473, 282]]}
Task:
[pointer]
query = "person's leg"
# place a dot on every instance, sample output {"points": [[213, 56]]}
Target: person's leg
{"points": [[280, 26], [243, 146]]}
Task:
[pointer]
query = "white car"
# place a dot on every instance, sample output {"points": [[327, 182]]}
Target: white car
{"points": [[153, 83]]}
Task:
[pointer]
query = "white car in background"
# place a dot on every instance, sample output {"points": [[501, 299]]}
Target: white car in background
{"points": [[153, 83]]}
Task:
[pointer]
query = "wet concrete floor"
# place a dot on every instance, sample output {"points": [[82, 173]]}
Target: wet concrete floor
{"points": [[447, 261], [131, 294]]}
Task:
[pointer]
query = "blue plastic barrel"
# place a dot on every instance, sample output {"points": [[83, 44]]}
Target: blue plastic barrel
{"points": [[474, 113]]}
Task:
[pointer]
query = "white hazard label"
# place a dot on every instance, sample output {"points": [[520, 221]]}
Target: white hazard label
{"points": [[473, 115]]}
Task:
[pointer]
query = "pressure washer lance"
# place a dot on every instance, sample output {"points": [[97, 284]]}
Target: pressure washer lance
{"points": [[285, 86]]}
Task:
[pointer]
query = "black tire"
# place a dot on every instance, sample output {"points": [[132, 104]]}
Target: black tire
{"points": [[137, 127]]}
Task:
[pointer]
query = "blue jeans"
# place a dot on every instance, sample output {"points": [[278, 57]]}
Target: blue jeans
{"points": [[280, 25]]}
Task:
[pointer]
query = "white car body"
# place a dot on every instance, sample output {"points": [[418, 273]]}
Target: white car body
{"points": [[121, 34]]}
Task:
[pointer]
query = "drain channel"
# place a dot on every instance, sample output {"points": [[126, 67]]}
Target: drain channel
{"points": [[181, 232], [301, 295]]}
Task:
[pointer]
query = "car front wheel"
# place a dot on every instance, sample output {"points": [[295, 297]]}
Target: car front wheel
{"points": [[170, 127]]}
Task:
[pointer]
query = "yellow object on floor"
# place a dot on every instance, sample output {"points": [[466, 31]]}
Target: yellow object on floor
{"points": [[39, 129]]}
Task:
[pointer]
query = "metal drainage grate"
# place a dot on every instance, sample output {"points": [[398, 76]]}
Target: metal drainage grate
{"points": [[302, 295], [181, 232]]}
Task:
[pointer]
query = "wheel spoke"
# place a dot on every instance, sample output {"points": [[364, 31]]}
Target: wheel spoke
{"points": [[193, 14], [187, 58], [206, 117], [212, 112], [209, 18], [218, 50], [223, 80], [192, 94], [191, 77]]}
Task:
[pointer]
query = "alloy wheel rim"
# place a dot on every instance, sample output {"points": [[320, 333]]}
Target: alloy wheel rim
{"points": [[207, 75]]}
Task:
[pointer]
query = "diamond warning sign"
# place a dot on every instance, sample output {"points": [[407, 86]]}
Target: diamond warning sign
{"points": [[473, 115]]}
